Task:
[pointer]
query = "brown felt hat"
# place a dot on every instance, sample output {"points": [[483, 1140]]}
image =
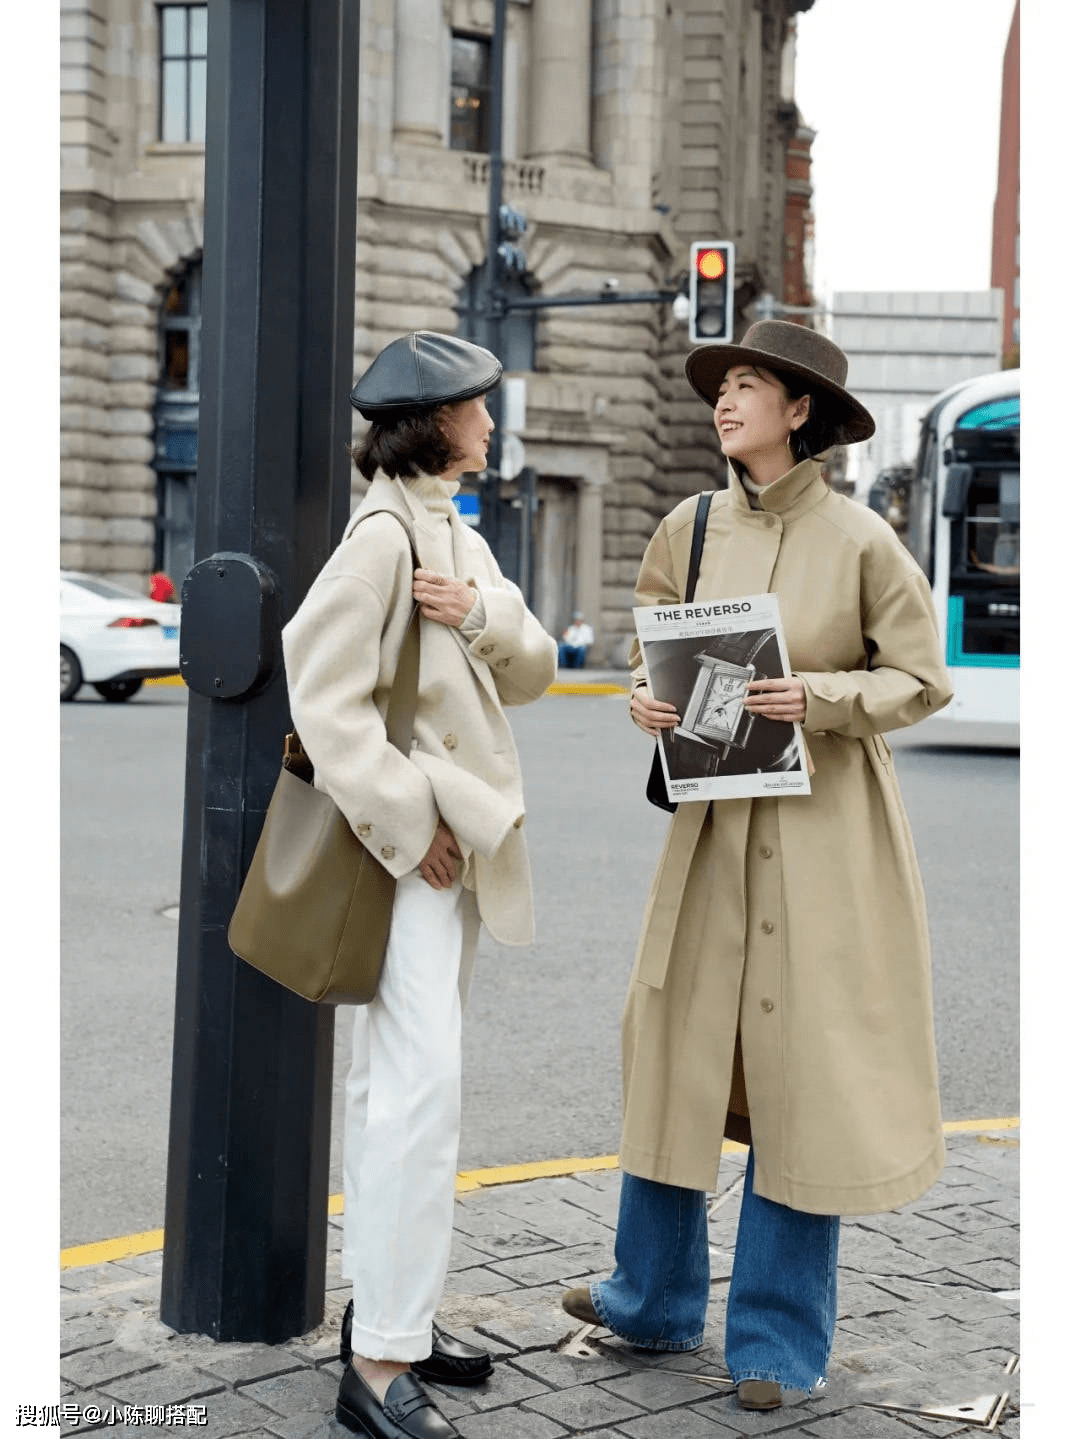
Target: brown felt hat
{"points": [[787, 349]]}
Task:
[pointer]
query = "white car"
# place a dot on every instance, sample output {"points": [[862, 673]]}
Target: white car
{"points": [[113, 638]]}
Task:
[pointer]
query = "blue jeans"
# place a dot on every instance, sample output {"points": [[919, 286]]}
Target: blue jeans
{"points": [[781, 1307]]}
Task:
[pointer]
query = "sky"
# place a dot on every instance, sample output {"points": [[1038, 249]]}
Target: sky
{"points": [[906, 102]]}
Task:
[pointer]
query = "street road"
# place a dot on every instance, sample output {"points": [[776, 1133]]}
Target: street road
{"points": [[542, 1026]]}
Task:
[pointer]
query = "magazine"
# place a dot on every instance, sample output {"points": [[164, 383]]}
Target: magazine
{"points": [[700, 657]]}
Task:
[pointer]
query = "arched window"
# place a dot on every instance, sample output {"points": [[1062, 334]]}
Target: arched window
{"points": [[519, 326], [176, 423]]}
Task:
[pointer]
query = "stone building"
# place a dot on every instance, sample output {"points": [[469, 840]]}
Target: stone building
{"points": [[631, 128]]}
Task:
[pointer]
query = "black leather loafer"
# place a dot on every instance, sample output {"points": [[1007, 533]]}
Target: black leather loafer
{"points": [[407, 1412], [451, 1360]]}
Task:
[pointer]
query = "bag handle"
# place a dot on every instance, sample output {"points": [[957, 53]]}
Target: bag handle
{"points": [[401, 710], [697, 542], [404, 691]]}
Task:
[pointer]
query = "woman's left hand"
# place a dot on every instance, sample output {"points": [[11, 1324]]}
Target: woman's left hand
{"points": [[442, 598], [783, 699]]}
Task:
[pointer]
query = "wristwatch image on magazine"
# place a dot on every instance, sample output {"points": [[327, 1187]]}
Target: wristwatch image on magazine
{"points": [[715, 710]]}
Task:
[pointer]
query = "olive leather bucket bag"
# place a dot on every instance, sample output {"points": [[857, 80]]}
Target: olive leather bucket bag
{"points": [[314, 910]]}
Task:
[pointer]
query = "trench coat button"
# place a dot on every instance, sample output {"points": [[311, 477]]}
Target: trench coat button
{"points": [[501, 664], [766, 926], [388, 851], [770, 520], [765, 852], [363, 829], [486, 649], [519, 821], [767, 1006], [450, 741]]}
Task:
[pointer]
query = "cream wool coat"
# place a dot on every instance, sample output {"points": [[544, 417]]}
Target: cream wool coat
{"points": [[797, 922], [341, 650]]}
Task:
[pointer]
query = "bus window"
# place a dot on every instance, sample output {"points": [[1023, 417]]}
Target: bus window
{"points": [[991, 526]]}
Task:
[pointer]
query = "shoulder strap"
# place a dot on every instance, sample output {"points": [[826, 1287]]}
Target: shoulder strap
{"points": [[401, 710], [697, 543]]}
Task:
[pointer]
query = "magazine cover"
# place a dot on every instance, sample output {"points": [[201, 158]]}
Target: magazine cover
{"points": [[700, 658]]}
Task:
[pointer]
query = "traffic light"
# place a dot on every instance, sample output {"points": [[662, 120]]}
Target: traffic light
{"points": [[712, 291], [512, 226]]}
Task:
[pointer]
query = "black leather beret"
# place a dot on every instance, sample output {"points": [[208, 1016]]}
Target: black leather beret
{"points": [[422, 370]]}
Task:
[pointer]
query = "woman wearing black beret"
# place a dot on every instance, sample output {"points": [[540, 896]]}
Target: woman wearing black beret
{"points": [[446, 821]]}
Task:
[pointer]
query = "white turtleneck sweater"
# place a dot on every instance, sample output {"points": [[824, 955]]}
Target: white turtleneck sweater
{"points": [[437, 497]]}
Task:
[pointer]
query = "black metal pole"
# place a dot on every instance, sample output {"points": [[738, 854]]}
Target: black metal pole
{"points": [[247, 1178]]}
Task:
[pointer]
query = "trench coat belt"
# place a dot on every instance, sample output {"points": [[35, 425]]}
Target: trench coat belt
{"points": [[660, 928]]}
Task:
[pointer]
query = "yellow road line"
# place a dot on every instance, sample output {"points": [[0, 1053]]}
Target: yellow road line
{"points": [[104, 1250], [979, 1126], [469, 1180], [600, 688], [566, 688]]}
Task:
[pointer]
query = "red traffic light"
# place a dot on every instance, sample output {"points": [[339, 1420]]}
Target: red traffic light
{"points": [[711, 264]]}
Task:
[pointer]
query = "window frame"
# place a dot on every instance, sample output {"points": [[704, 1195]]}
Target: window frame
{"points": [[188, 58], [484, 91]]}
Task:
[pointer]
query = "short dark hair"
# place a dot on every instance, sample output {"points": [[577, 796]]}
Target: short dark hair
{"points": [[819, 430], [413, 445]]}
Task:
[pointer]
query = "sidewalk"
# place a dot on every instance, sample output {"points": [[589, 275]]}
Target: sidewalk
{"points": [[927, 1319]]}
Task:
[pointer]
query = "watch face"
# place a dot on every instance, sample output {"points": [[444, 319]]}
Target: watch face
{"points": [[720, 709]]}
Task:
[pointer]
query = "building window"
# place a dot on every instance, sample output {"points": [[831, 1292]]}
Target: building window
{"points": [[176, 423], [470, 92], [183, 73]]}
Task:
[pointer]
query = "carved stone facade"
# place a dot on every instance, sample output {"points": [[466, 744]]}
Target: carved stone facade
{"points": [[631, 128]]}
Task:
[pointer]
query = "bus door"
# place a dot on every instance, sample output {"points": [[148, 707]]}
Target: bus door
{"points": [[981, 506]]}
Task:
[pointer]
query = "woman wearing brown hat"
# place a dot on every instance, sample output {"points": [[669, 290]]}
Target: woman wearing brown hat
{"points": [[446, 821], [781, 991]]}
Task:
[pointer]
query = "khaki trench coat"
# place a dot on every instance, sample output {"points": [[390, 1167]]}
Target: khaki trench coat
{"points": [[796, 923], [341, 650]]}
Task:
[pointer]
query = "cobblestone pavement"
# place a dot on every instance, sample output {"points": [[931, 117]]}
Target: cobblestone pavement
{"points": [[927, 1318]]}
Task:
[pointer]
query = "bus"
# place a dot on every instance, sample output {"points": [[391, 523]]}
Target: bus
{"points": [[963, 528]]}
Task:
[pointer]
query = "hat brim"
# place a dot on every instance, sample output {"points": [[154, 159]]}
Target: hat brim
{"points": [[707, 366]]}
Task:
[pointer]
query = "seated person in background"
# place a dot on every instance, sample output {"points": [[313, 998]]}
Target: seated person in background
{"points": [[574, 646]]}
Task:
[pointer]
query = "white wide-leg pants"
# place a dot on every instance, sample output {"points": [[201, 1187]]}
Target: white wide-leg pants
{"points": [[402, 1121]]}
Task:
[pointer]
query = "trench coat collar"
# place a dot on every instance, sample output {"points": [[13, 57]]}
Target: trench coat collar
{"points": [[789, 496]]}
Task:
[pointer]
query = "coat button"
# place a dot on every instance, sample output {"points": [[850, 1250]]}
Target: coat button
{"points": [[363, 829], [767, 1006], [519, 821], [765, 852], [501, 664], [770, 520], [388, 851], [486, 649], [450, 741], [766, 926]]}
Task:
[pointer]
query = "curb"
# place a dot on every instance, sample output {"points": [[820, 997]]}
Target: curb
{"points": [[104, 1251]]}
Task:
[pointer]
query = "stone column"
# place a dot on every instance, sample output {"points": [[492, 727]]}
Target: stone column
{"points": [[590, 558], [561, 66], [419, 65]]}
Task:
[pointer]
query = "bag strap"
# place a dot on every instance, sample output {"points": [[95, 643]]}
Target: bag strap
{"points": [[697, 543], [401, 709]]}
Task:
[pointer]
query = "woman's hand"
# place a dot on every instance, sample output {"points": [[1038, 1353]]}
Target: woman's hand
{"points": [[438, 866], [783, 699], [652, 715], [442, 598]]}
